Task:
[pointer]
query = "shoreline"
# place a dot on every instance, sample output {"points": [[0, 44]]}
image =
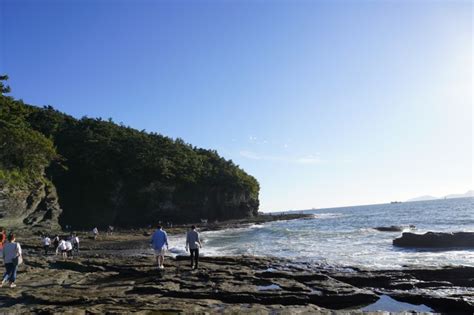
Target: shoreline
{"points": [[114, 281], [176, 228], [135, 241], [138, 238]]}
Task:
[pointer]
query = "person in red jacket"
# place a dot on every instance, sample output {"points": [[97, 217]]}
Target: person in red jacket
{"points": [[3, 237]]}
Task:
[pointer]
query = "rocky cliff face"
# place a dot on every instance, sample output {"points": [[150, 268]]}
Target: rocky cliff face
{"points": [[127, 205], [33, 206], [85, 206]]}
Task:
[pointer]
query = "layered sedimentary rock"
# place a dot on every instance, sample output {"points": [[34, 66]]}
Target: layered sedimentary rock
{"points": [[33, 205], [115, 274], [444, 289]]}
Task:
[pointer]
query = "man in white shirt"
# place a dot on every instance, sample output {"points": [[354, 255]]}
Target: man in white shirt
{"points": [[68, 249], [46, 243], [62, 249], [95, 231]]}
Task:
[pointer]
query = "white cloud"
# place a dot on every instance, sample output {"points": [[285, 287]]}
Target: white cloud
{"points": [[256, 140], [256, 156], [311, 159], [250, 155]]}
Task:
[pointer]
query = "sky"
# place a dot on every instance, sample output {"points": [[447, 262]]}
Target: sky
{"points": [[326, 103]]}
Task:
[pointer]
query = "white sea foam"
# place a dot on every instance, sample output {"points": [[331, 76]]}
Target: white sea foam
{"points": [[345, 236]]}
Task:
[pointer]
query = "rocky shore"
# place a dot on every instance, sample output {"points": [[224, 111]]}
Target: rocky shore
{"points": [[108, 277]]}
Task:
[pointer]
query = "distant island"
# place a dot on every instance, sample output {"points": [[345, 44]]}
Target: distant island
{"points": [[469, 193]]}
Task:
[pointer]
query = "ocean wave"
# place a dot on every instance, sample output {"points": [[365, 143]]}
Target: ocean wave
{"points": [[343, 237], [329, 215], [233, 229]]}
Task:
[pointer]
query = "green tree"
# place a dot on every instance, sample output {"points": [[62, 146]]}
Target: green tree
{"points": [[4, 89], [23, 151]]}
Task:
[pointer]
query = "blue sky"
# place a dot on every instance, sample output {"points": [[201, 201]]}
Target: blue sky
{"points": [[326, 103]]}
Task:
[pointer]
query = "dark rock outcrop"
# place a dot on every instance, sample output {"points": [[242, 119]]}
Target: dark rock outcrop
{"points": [[448, 289], [393, 228], [436, 240], [33, 205], [139, 205]]}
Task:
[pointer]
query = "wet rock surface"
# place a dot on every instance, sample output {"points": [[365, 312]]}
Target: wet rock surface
{"points": [[436, 240], [114, 281], [448, 289]]}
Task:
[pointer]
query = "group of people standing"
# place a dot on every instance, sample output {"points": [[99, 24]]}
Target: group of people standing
{"points": [[66, 246], [159, 242], [95, 231]]}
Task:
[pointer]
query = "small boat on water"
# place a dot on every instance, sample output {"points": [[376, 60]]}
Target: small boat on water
{"points": [[394, 202]]}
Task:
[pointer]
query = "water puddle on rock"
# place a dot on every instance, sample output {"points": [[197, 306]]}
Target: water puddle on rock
{"points": [[271, 287], [387, 304]]}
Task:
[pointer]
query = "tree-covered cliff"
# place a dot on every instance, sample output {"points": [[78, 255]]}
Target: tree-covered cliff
{"points": [[26, 196], [107, 173]]}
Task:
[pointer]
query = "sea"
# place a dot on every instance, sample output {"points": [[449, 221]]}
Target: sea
{"points": [[346, 236]]}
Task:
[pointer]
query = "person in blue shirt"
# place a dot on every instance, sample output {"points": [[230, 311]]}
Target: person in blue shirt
{"points": [[158, 241]]}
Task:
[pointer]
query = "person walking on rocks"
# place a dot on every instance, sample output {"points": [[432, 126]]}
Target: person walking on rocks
{"points": [[46, 243], [75, 243], [56, 242], [95, 231], [12, 257], [68, 249], [193, 243], [158, 241], [62, 248]]}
